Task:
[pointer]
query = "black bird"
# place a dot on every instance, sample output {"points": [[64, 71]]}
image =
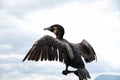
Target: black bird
{"points": [[54, 49]]}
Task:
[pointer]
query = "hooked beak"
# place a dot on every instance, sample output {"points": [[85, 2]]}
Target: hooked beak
{"points": [[47, 28]]}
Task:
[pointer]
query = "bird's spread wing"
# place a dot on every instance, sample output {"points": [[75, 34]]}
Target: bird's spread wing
{"points": [[87, 51], [47, 48]]}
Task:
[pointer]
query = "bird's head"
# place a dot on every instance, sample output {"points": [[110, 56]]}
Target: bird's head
{"points": [[57, 29]]}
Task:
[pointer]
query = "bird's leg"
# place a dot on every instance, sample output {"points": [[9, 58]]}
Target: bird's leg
{"points": [[66, 71], [66, 68]]}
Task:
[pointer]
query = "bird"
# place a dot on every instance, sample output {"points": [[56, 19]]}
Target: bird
{"points": [[59, 49]]}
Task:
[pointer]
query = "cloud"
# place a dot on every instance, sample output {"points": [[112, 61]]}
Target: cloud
{"points": [[21, 7], [116, 5], [32, 77], [38, 76], [5, 46], [13, 35], [93, 21]]}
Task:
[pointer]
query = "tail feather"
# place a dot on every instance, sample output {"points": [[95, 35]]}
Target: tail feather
{"points": [[82, 73]]}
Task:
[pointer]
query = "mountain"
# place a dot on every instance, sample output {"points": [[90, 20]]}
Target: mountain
{"points": [[108, 77]]}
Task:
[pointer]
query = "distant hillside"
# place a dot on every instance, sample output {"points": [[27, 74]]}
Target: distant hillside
{"points": [[108, 77]]}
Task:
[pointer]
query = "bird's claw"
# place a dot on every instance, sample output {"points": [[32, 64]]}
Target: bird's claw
{"points": [[65, 72]]}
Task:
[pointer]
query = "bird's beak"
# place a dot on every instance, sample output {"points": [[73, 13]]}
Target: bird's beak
{"points": [[47, 28]]}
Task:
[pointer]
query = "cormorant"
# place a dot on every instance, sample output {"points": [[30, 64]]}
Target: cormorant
{"points": [[59, 49]]}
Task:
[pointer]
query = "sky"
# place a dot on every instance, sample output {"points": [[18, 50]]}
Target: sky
{"points": [[22, 23]]}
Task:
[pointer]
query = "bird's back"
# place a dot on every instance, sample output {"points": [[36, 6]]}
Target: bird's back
{"points": [[76, 61]]}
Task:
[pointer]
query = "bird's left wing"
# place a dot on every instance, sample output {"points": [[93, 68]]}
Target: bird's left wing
{"points": [[87, 51], [48, 48]]}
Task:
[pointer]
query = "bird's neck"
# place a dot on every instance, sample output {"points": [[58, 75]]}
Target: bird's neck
{"points": [[59, 36]]}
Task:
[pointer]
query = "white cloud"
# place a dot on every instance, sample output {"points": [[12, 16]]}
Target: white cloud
{"points": [[32, 77], [20, 7], [5, 46], [81, 20], [37, 76], [4, 56]]}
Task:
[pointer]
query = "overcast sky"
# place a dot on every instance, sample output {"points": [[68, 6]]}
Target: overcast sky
{"points": [[22, 23]]}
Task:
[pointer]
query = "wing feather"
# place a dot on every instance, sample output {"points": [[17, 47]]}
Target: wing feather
{"points": [[32, 54], [37, 57], [60, 56], [50, 53], [43, 53], [36, 53], [46, 53], [47, 48], [55, 54], [87, 51], [29, 53]]}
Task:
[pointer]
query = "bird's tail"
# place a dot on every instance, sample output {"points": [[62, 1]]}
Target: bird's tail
{"points": [[82, 73]]}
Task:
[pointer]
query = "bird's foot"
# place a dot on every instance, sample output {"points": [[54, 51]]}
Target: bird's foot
{"points": [[65, 72]]}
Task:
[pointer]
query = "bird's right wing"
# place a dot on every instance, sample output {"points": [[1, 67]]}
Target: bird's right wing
{"points": [[48, 48]]}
